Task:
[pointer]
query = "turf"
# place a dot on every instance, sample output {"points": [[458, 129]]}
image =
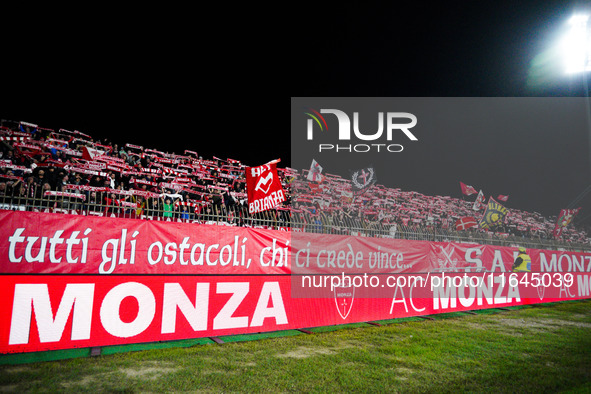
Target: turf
{"points": [[535, 349]]}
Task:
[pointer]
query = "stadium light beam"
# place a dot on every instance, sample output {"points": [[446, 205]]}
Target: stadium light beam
{"points": [[577, 45], [576, 49]]}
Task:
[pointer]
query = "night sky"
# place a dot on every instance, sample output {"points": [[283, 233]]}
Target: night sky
{"points": [[216, 80]]}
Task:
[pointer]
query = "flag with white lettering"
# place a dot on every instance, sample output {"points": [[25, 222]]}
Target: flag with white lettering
{"points": [[263, 187], [564, 218], [494, 215], [503, 198]]}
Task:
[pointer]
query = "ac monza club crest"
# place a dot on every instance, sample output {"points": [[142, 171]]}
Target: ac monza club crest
{"points": [[263, 187], [343, 298], [541, 291], [264, 183], [446, 259]]}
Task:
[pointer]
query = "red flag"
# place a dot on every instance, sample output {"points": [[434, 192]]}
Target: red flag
{"points": [[467, 189], [479, 203], [500, 197], [465, 223], [566, 216], [91, 153], [263, 187]]}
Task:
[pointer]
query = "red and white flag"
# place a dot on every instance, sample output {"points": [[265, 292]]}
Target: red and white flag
{"points": [[315, 172], [564, 218], [91, 153], [465, 223], [479, 203], [263, 187], [500, 197], [467, 189]]}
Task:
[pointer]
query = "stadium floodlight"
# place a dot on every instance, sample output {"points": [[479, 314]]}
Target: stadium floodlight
{"points": [[577, 45]]}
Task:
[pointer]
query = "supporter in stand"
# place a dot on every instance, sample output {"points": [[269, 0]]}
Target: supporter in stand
{"points": [[47, 201], [39, 176], [63, 179], [28, 129], [8, 156], [77, 179], [184, 213], [19, 196], [315, 224], [13, 186], [410, 211], [93, 202], [145, 161], [283, 218], [133, 160], [111, 203], [207, 215], [3, 191], [339, 223], [111, 179], [97, 181], [30, 186], [167, 207], [141, 204], [153, 207], [222, 213], [40, 159], [51, 177]]}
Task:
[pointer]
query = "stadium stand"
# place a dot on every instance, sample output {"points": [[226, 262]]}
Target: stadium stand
{"points": [[69, 172]]}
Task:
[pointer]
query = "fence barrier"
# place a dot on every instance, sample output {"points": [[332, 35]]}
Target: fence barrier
{"points": [[234, 214]]}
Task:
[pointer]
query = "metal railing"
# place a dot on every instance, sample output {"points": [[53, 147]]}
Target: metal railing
{"points": [[111, 204], [108, 204], [352, 226]]}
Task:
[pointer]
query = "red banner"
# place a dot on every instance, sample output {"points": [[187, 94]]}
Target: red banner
{"points": [[71, 282], [40, 243], [263, 187], [564, 218], [61, 312]]}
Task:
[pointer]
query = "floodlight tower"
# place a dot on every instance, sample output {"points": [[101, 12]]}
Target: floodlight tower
{"points": [[577, 45], [577, 60]]}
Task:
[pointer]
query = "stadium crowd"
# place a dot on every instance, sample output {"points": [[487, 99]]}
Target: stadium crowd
{"points": [[68, 171]]}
